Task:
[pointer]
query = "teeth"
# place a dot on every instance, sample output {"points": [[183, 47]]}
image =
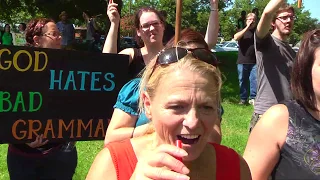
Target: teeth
{"points": [[189, 136]]}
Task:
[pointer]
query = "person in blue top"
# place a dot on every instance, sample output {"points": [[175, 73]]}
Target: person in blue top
{"points": [[126, 121]]}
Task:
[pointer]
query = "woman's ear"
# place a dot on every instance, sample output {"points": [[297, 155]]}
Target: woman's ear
{"points": [[36, 40], [147, 104], [138, 32]]}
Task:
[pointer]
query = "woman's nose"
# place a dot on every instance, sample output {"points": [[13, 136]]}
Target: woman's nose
{"points": [[191, 119]]}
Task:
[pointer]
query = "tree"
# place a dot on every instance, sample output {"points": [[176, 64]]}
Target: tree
{"points": [[24, 10]]}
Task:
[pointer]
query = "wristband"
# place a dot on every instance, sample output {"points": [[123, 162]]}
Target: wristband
{"points": [[215, 9]]}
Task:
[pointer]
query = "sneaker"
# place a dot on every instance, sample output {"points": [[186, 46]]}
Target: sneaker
{"points": [[243, 102], [251, 101]]}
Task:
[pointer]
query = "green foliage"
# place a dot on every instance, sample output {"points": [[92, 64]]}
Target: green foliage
{"points": [[195, 13], [302, 24]]}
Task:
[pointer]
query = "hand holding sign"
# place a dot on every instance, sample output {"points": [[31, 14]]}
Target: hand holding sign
{"points": [[38, 142]]}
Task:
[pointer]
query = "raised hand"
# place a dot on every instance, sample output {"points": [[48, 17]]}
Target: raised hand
{"points": [[38, 142], [162, 164], [214, 3], [112, 12]]}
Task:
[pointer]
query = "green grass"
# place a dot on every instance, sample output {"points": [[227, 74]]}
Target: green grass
{"points": [[234, 125]]}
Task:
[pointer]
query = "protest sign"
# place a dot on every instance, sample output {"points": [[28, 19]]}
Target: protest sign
{"points": [[19, 39], [64, 95]]}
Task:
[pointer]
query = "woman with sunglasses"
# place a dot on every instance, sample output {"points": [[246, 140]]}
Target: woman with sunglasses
{"points": [[126, 121], [42, 159], [284, 144], [180, 94]]}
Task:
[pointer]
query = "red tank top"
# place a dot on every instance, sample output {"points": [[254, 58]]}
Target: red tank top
{"points": [[125, 160]]}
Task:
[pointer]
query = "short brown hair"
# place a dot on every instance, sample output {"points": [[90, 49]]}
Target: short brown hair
{"points": [[301, 76], [286, 7]]}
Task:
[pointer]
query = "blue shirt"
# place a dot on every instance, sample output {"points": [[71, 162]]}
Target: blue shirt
{"points": [[128, 101], [67, 33]]}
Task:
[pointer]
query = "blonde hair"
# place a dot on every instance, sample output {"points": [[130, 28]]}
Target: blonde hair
{"points": [[154, 74], [252, 15]]}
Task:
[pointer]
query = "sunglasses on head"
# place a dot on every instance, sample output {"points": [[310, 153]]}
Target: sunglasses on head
{"points": [[174, 54]]}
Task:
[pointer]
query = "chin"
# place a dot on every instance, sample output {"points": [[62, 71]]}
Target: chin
{"points": [[154, 40], [194, 151]]}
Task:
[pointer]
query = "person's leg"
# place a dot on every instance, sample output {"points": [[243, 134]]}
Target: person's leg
{"points": [[253, 81], [21, 167], [243, 82], [60, 165]]}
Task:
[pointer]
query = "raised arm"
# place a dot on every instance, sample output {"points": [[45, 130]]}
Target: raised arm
{"points": [[110, 45], [213, 24], [265, 142], [266, 17], [240, 34]]}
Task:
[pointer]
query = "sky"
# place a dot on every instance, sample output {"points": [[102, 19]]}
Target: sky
{"points": [[312, 5]]}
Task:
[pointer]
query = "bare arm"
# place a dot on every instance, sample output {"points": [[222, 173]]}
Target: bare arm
{"points": [[110, 45], [266, 17], [244, 170], [265, 142], [102, 167], [213, 25], [122, 127], [240, 34]]}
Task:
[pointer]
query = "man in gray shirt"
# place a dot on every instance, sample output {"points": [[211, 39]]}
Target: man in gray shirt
{"points": [[274, 57]]}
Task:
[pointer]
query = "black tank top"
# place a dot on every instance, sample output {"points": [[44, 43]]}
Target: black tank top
{"points": [[137, 64], [300, 155]]}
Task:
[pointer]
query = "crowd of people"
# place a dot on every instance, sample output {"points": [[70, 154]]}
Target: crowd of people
{"points": [[166, 120]]}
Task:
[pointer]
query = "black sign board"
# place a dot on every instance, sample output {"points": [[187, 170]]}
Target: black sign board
{"points": [[64, 95]]}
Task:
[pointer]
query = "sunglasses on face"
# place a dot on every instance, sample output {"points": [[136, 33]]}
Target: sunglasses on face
{"points": [[174, 54], [286, 18], [146, 26], [52, 34]]}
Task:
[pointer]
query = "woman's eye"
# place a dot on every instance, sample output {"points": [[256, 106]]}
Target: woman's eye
{"points": [[176, 107], [208, 107]]}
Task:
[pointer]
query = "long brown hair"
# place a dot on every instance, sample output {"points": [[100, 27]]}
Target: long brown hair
{"points": [[301, 76]]}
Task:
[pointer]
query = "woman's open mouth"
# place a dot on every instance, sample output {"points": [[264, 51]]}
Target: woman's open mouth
{"points": [[188, 138]]}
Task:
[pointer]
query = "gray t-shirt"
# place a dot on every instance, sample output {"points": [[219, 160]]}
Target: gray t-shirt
{"points": [[274, 64]]}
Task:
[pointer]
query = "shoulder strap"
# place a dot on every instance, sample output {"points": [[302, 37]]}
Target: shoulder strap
{"points": [[228, 163], [123, 157], [137, 55]]}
